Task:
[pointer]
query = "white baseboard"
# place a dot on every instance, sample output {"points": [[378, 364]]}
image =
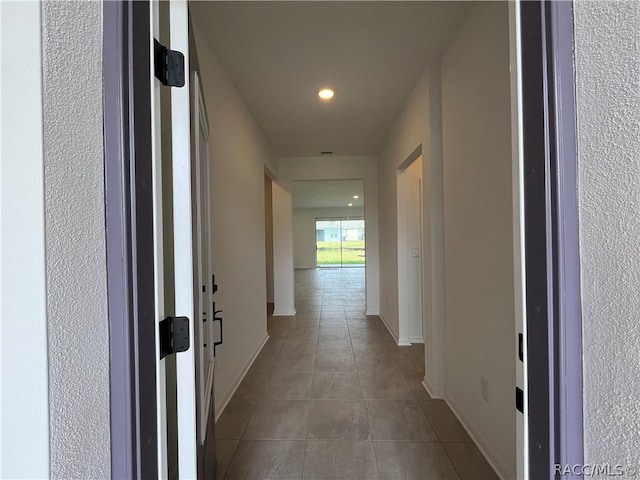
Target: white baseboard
{"points": [[477, 438], [372, 313], [236, 382], [402, 342], [433, 392], [283, 313], [416, 339]]}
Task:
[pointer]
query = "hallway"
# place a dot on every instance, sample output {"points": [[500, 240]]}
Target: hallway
{"points": [[332, 396]]}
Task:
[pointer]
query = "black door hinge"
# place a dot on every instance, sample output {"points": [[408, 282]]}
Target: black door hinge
{"points": [[174, 335], [168, 65]]}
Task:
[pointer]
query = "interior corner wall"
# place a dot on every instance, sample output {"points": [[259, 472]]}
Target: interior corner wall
{"points": [[304, 231], [607, 63], [75, 240], [347, 168], [480, 325], [238, 155]]}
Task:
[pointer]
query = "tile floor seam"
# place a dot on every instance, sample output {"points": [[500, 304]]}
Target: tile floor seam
{"points": [[375, 455], [371, 438], [455, 467], [224, 474]]}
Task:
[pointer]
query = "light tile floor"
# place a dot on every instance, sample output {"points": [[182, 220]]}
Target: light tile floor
{"points": [[331, 396]]}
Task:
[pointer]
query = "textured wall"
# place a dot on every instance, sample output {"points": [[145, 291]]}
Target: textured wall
{"points": [[75, 243], [608, 97]]}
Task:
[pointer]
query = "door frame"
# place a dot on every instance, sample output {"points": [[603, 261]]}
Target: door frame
{"points": [[130, 262], [553, 399], [553, 309], [129, 232]]}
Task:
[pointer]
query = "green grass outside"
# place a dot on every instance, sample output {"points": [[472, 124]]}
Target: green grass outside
{"points": [[352, 253]]}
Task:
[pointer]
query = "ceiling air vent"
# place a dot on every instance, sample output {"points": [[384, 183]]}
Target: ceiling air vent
{"points": [[327, 152]]}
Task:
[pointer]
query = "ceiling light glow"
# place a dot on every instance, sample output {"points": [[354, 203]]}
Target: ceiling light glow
{"points": [[356, 197], [351, 204], [325, 93]]}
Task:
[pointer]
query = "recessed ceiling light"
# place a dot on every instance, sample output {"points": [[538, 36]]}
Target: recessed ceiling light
{"points": [[325, 93], [356, 196], [351, 204], [317, 194]]}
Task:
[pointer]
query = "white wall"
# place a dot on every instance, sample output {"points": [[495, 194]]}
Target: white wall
{"points": [[304, 231], [607, 72], [284, 296], [417, 130], [238, 155], [75, 232], [480, 328], [347, 168], [24, 389]]}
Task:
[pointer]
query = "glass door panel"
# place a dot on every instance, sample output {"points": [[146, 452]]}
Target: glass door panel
{"points": [[340, 242], [353, 250]]}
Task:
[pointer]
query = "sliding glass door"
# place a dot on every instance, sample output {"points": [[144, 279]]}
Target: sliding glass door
{"points": [[340, 242]]}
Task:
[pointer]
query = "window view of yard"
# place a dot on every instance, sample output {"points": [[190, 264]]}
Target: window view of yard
{"points": [[340, 242]]}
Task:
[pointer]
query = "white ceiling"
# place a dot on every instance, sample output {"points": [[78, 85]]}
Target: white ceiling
{"points": [[327, 193], [279, 54]]}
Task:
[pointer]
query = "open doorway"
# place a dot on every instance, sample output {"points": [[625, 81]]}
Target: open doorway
{"points": [[340, 242], [268, 239], [410, 301], [474, 339], [328, 224]]}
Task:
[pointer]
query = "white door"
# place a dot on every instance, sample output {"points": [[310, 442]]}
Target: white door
{"points": [[182, 244], [204, 333]]}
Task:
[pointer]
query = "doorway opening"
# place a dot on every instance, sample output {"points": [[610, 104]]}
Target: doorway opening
{"points": [[532, 212], [340, 242], [268, 238], [328, 224], [410, 308]]}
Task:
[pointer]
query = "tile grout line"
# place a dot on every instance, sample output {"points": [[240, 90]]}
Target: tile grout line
{"points": [[453, 464], [224, 474]]}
